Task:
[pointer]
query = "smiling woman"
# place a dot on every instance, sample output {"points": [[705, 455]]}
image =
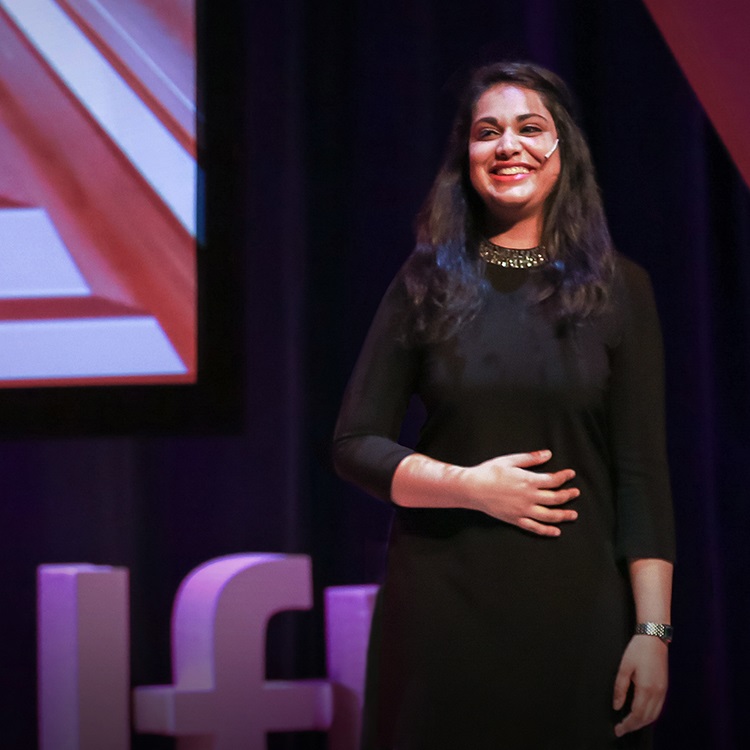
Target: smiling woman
{"points": [[529, 559], [510, 171]]}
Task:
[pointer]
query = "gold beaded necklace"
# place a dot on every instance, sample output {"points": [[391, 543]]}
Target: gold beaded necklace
{"points": [[508, 257]]}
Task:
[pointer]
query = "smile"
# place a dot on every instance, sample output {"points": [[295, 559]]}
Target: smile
{"points": [[512, 170]]}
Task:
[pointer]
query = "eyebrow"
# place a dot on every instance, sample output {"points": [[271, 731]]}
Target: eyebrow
{"points": [[519, 118]]}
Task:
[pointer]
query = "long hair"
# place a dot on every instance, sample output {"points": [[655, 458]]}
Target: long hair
{"points": [[444, 276]]}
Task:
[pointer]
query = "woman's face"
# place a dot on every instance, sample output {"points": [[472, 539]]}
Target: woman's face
{"points": [[511, 132]]}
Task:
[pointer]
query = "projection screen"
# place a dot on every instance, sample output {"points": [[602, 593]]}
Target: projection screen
{"points": [[97, 192]]}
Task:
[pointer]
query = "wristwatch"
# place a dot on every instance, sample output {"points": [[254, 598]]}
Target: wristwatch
{"points": [[661, 630]]}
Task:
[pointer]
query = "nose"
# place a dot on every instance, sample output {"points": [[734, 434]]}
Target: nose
{"points": [[508, 143]]}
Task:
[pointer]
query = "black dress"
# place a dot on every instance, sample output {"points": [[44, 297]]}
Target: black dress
{"points": [[487, 636]]}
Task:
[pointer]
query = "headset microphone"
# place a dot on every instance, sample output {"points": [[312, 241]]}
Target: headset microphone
{"points": [[552, 150]]}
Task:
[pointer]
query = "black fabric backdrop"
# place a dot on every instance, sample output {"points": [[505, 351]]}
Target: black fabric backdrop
{"points": [[325, 123]]}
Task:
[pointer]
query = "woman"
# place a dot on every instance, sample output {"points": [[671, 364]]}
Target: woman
{"points": [[527, 590]]}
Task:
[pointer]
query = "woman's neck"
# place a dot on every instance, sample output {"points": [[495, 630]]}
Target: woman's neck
{"points": [[521, 234]]}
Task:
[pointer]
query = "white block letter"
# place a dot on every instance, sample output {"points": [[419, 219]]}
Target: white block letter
{"points": [[84, 672], [220, 699], [348, 618]]}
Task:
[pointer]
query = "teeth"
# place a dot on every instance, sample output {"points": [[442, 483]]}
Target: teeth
{"points": [[514, 170]]}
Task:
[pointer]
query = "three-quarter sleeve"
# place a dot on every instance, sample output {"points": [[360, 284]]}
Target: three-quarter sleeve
{"points": [[645, 526], [366, 451]]}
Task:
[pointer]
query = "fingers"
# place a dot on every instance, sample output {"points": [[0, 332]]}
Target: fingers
{"points": [[650, 688], [553, 515], [539, 521], [529, 524], [533, 458], [508, 491], [643, 713], [556, 479], [622, 683], [560, 497], [542, 480], [540, 515]]}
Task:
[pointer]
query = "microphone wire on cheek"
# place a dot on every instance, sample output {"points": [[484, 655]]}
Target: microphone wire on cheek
{"points": [[551, 151]]}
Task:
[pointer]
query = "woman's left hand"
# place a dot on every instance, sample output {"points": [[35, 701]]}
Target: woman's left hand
{"points": [[644, 663]]}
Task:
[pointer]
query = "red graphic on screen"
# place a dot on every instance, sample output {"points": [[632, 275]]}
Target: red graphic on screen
{"points": [[709, 41], [97, 192]]}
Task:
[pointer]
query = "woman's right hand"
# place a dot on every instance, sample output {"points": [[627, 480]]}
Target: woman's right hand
{"points": [[504, 489], [501, 487]]}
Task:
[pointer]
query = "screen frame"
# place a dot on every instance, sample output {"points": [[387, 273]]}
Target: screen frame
{"points": [[214, 403]]}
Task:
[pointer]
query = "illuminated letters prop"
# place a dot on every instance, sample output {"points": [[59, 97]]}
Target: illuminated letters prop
{"points": [[220, 698], [348, 617], [84, 673]]}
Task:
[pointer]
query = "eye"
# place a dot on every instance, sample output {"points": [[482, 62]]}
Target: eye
{"points": [[530, 129], [484, 133]]}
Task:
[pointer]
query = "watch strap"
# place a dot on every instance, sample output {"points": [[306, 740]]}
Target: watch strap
{"points": [[659, 629]]}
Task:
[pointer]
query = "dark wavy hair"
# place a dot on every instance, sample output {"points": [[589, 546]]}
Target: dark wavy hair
{"points": [[444, 276]]}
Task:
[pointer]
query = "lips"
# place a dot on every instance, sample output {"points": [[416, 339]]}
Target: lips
{"points": [[510, 172]]}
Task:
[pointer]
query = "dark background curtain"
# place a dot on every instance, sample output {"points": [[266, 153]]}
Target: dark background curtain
{"points": [[325, 123]]}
